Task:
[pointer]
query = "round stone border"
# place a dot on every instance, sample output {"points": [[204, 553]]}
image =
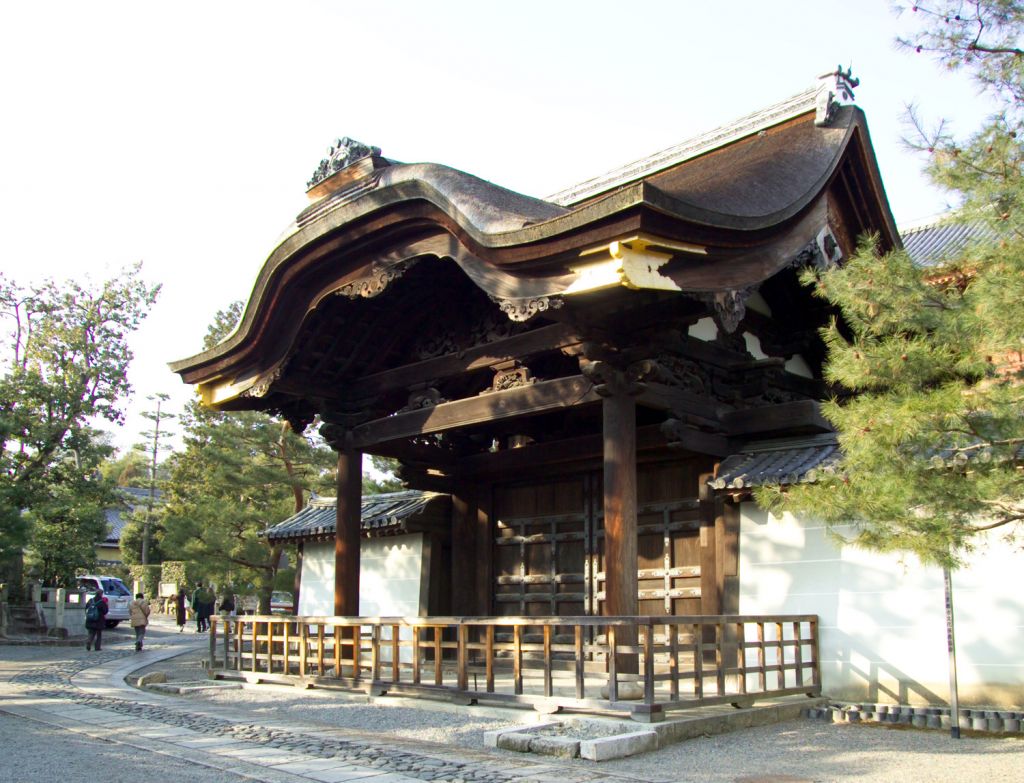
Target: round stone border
{"points": [[993, 721]]}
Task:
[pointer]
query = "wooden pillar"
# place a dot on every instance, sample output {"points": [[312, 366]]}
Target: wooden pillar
{"points": [[463, 565], [729, 546], [297, 581], [619, 422], [620, 523], [711, 519], [346, 535], [710, 513], [484, 540]]}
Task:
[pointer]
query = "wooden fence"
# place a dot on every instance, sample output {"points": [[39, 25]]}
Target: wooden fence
{"points": [[639, 665]]}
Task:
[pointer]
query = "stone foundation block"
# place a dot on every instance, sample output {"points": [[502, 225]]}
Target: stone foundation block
{"points": [[618, 746], [558, 747]]}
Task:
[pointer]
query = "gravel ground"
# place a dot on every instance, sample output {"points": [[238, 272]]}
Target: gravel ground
{"points": [[795, 751]]}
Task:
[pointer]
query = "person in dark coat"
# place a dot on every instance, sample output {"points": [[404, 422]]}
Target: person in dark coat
{"points": [[202, 605], [96, 625], [180, 615]]}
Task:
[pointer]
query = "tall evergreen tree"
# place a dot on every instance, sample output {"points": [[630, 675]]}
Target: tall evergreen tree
{"points": [[240, 473], [933, 433]]}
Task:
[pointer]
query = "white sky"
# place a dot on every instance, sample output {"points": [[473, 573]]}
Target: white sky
{"points": [[182, 134]]}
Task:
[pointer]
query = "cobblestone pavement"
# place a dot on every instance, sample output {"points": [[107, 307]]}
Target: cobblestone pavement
{"points": [[51, 692]]}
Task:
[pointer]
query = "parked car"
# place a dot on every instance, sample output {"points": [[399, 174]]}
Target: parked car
{"points": [[282, 602], [118, 596]]}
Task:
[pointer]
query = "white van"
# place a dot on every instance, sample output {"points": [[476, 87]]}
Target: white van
{"points": [[118, 596]]}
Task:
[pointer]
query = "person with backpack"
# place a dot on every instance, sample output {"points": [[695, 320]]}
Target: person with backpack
{"points": [[96, 609], [138, 613]]}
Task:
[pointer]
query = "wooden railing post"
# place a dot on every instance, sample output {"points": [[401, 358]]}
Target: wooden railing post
{"points": [[613, 674], [780, 674], [213, 642], [489, 653], [578, 629], [698, 662], [438, 671], [548, 687], [762, 675], [227, 640], [462, 682], [649, 663], [303, 647], [815, 672], [357, 651], [337, 651], [720, 657], [319, 649], [395, 654], [673, 661], [798, 655], [375, 653], [517, 659], [741, 656], [415, 655], [287, 648]]}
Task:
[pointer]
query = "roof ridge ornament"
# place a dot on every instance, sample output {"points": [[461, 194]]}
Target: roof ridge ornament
{"points": [[340, 155], [831, 93]]}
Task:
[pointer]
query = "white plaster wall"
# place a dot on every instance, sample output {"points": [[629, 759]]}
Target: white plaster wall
{"points": [[882, 617], [393, 577]]}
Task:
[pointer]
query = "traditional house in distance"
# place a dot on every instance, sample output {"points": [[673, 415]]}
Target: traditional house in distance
{"points": [[595, 380], [108, 551]]}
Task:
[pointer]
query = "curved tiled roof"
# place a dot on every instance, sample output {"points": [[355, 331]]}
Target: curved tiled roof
{"points": [[381, 514], [785, 462], [737, 205]]}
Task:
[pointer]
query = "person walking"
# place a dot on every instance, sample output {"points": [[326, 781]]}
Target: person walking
{"points": [[138, 615], [227, 603], [200, 605], [180, 613], [96, 609]]}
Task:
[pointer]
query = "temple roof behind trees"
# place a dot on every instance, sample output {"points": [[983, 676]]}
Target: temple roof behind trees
{"points": [[941, 240], [727, 211]]}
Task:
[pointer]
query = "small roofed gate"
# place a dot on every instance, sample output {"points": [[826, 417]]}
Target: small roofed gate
{"points": [[570, 370]]}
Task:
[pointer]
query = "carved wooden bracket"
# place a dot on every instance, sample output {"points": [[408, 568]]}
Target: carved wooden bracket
{"points": [[511, 376], [610, 381], [422, 398], [379, 278]]}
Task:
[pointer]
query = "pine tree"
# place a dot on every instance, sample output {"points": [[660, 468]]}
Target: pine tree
{"points": [[240, 473], [931, 360]]}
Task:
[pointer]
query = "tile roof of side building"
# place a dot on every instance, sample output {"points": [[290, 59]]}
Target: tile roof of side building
{"points": [[117, 518], [384, 514], [940, 239]]}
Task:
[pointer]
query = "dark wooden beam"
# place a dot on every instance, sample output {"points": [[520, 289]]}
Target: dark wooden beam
{"points": [[684, 405], [802, 415], [540, 397], [542, 455], [520, 346]]}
